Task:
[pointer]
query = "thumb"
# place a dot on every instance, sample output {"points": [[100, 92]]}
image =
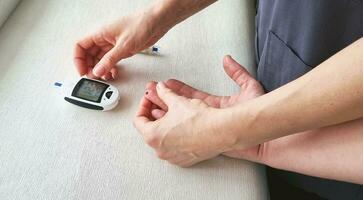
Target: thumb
{"points": [[167, 95], [109, 60], [236, 71]]}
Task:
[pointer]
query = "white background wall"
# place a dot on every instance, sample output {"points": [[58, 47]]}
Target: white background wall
{"points": [[6, 7]]}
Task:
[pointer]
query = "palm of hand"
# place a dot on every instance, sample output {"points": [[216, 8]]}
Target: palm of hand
{"points": [[249, 88]]}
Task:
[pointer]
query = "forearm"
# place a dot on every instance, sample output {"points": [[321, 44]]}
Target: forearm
{"points": [[167, 13], [333, 152], [329, 94]]}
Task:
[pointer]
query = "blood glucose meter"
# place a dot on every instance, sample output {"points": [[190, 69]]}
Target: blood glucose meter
{"points": [[90, 93]]}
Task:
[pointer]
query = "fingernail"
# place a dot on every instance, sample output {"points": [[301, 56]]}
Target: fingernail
{"points": [[158, 85], [99, 71], [105, 78], [114, 76]]}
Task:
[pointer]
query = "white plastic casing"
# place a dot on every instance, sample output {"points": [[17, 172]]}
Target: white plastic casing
{"points": [[106, 103]]}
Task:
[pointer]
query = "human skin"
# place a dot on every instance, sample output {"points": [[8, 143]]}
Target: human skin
{"points": [[97, 54], [329, 95], [330, 152], [191, 130]]}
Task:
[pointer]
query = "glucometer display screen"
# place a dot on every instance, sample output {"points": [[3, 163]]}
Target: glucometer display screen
{"points": [[89, 90]]}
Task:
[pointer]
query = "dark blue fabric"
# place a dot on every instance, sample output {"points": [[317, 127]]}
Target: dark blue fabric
{"points": [[302, 32], [294, 36]]}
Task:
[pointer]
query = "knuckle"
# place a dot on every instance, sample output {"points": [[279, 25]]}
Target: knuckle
{"points": [[127, 45], [135, 123], [162, 155], [152, 140], [255, 85], [109, 60], [196, 101], [173, 162]]}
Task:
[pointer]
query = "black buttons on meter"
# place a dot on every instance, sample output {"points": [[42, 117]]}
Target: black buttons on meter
{"points": [[109, 94]]}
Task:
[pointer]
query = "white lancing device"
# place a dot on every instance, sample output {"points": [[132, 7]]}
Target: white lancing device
{"points": [[153, 50]]}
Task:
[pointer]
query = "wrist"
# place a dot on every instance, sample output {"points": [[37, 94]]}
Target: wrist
{"points": [[223, 131], [240, 124], [159, 18]]}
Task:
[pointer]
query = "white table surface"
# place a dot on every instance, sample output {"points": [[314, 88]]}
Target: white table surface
{"points": [[50, 149]]}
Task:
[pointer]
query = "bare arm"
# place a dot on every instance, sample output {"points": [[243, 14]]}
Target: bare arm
{"points": [[330, 94], [168, 13], [97, 54], [326, 96], [330, 152], [333, 152]]}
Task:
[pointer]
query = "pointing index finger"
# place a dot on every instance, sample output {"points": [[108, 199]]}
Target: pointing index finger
{"points": [[80, 54]]}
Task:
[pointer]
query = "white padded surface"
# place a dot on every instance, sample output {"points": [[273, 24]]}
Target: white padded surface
{"points": [[6, 7], [50, 149]]}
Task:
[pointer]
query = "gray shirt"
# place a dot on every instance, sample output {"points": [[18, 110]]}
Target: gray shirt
{"points": [[294, 36]]}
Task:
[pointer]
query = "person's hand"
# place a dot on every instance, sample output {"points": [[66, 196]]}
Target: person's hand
{"points": [[97, 54], [186, 134], [250, 88]]}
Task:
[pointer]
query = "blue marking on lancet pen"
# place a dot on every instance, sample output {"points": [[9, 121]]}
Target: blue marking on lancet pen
{"points": [[153, 50], [58, 84]]}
